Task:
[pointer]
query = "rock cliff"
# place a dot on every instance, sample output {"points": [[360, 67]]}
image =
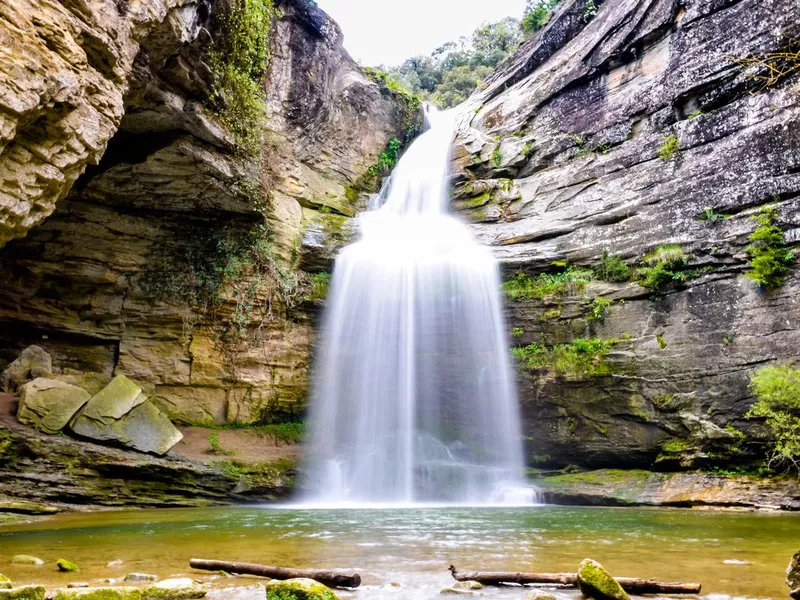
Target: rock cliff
{"points": [[640, 129], [171, 255]]}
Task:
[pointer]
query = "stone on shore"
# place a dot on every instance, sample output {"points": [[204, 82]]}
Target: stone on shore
{"points": [[539, 595], [48, 405], [175, 589], [595, 582], [66, 566], [25, 592], [121, 414], [26, 559], [5, 582], [298, 589], [468, 585], [99, 593], [32, 363]]}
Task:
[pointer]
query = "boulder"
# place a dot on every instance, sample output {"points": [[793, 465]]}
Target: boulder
{"points": [[66, 566], [25, 592], [456, 591], [468, 585], [298, 589], [99, 593], [32, 363], [121, 414], [175, 589], [595, 582], [115, 564], [48, 405], [5, 582], [539, 595], [26, 559], [793, 576]]}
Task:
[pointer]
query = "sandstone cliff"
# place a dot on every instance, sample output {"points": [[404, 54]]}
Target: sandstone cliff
{"points": [[171, 256], [614, 129]]}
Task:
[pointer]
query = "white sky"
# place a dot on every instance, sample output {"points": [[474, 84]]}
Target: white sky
{"points": [[389, 31]]}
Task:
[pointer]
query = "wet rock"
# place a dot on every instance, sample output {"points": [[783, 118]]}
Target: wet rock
{"points": [[66, 566], [25, 592], [456, 591], [121, 414], [99, 593], [595, 582], [114, 564], [298, 589], [5, 582], [32, 363], [793, 576], [26, 559], [24, 507], [175, 589], [77, 584], [134, 577], [539, 595], [468, 585], [48, 405]]}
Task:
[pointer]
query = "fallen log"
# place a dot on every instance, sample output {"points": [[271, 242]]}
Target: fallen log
{"points": [[629, 584], [329, 578]]}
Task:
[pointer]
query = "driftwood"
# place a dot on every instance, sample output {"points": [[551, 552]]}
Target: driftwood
{"points": [[329, 578], [629, 584]]}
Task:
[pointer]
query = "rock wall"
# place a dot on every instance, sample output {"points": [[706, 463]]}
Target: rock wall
{"points": [[564, 153], [174, 257]]}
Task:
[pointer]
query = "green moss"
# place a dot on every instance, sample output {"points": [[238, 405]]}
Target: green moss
{"points": [[497, 158], [662, 343], [675, 446], [595, 582], [66, 566], [598, 309], [612, 269], [777, 392], [710, 215], [104, 593], [298, 589], [670, 148], [770, 257], [238, 60], [582, 357], [26, 592], [665, 264], [523, 286], [5, 582], [318, 287], [517, 332]]}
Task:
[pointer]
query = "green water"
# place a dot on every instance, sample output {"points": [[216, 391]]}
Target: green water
{"points": [[413, 547]]}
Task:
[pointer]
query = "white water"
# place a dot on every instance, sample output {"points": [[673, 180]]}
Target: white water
{"points": [[414, 400]]}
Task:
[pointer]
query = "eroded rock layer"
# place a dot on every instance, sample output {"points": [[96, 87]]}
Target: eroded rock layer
{"points": [[614, 129]]}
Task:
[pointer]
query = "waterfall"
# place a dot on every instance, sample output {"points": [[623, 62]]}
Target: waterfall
{"points": [[413, 398]]}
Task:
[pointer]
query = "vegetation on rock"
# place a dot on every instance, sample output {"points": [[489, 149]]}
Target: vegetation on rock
{"points": [[612, 269], [581, 357], [595, 582], [298, 589], [537, 14], [238, 61], [770, 257], [777, 392], [66, 566], [670, 148], [524, 286], [663, 265]]}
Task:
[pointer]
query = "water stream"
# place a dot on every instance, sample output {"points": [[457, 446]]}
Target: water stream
{"points": [[414, 399]]}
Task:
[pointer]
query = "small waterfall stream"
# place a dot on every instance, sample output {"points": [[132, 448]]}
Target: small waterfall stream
{"points": [[414, 398]]}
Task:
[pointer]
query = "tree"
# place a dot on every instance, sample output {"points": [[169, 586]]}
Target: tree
{"points": [[537, 15]]}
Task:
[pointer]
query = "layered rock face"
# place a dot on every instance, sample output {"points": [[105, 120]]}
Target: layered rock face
{"points": [[613, 129], [173, 259]]}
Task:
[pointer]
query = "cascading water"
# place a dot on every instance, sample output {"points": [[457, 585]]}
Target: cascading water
{"points": [[414, 399]]}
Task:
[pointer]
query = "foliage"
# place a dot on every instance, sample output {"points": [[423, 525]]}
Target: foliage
{"points": [[497, 157], [709, 215], [291, 432], [612, 268], [670, 148], [663, 265], [216, 446], [524, 286], [694, 114], [598, 309], [238, 60], [410, 102], [582, 357], [452, 72], [318, 287], [517, 332], [590, 12], [770, 258], [537, 15], [773, 68], [777, 392], [387, 159]]}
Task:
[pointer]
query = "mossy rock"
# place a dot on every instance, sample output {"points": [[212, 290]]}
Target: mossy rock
{"points": [[26, 592], [539, 595], [26, 559], [99, 593], [468, 585], [175, 589], [793, 573], [595, 582], [66, 566], [5, 582], [298, 589]]}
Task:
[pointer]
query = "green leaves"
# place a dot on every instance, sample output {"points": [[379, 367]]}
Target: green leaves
{"points": [[777, 389], [770, 258]]}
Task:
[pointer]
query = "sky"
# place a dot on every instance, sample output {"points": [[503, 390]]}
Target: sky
{"points": [[389, 31]]}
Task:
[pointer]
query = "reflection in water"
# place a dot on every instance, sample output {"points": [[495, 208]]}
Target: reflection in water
{"points": [[414, 546]]}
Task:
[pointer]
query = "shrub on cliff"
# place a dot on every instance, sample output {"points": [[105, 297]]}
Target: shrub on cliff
{"points": [[777, 392], [770, 258]]}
